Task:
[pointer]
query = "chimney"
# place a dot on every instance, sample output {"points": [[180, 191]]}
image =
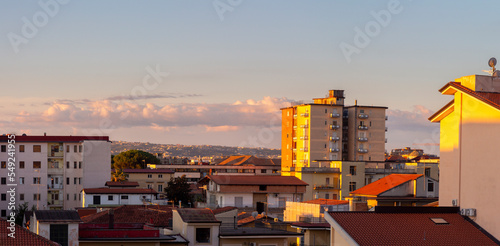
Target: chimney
{"points": [[111, 218]]}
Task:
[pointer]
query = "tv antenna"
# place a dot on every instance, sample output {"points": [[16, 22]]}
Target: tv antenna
{"points": [[493, 72]]}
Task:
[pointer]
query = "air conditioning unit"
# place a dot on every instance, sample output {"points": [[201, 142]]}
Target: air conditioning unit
{"points": [[471, 212], [276, 194], [454, 202]]}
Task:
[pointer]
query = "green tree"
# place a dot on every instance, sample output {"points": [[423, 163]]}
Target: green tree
{"points": [[21, 210], [118, 175], [178, 189], [134, 159]]}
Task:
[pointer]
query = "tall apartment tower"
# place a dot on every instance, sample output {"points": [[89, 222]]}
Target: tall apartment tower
{"points": [[51, 171], [327, 130]]}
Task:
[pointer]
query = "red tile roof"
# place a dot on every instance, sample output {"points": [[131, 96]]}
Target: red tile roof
{"points": [[159, 170], [119, 191], [311, 225], [158, 215], [121, 184], [223, 210], [371, 228], [20, 138], [70, 216], [245, 160], [197, 215], [23, 237], [384, 184], [323, 201], [255, 180]]}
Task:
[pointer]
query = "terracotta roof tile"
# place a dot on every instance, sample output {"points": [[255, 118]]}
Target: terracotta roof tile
{"points": [[197, 215], [158, 215], [323, 201], [385, 184], [23, 237], [245, 160], [223, 210], [119, 191], [121, 184], [371, 228], [57, 216], [255, 180], [159, 170]]}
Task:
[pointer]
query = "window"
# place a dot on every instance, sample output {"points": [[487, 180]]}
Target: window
{"points": [[36, 197], [124, 197], [4, 213], [262, 187], [4, 148], [80, 148], [79, 197], [59, 233], [21, 148], [352, 170], [362, 111], [37, 164], [4, 197], [327, 196], [67, 148], [4, 164], [430, 186], [160, 188], [352, 186], [21, 196], [21, 180], [203, 235], [326, 111], [67, 164], [67, 181], [327, 181], [360, 158], [79, 181], [74, 148], [67, 197], [110, 198], [36, 180], [74, 182], [150, 176], [263, 171], [37, 148], [160, 176], [74, 197], [74, 165], [150, 186], [21, 164], [80, 165], [427, 171]]}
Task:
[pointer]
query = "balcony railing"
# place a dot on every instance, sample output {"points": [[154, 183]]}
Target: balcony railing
{"points": [[363, 139], [304, 161], [334, 138], [362, 150], [326, 187], [304, 126], [334, 150], [305, 115], [363, 127], [295, 116], [363, 116], [303, 149], [55, 186], [294, 138], [304, 137], [334, 115], [334, 127]]}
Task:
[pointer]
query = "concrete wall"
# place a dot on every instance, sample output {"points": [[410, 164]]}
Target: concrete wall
{"points": [[133, 199]]}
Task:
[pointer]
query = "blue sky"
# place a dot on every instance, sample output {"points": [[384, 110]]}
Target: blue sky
{"points": [[228, 77]]}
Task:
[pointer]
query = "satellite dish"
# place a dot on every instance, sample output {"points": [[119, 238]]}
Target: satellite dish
{"points": [[492, 62]]}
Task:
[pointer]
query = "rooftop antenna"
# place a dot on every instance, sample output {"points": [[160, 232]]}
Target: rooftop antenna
{"points": [[493, 72]]}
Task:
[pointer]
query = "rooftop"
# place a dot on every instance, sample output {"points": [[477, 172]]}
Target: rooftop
{"points": [[255, 180], [158, 215], [21, 138], [159, 170], [384, 184], [23, 237], [197, 215], [240, 160], [323, 201], [57, 216], [405, 226], [121, 184], [107, 190]]}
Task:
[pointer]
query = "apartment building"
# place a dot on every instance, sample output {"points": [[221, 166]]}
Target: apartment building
{"points": [[52, 170], [156, 179], [326, 130], [469, 132]]}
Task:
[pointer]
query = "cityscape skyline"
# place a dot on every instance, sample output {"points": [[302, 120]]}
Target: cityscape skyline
{"points": [[218, 74]]}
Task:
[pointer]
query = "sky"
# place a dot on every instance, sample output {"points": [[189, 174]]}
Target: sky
{"points": [[218, 71]]}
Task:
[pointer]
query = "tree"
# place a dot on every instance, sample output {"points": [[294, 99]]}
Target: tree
{"points": [[134, 159], [118, 175], [178, 189], [21, 210]]}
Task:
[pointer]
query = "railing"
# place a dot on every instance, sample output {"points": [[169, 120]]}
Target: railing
{"points": [[334, 138], [305, 115], [320, 170], [294, 138], [364, 128], [334, 150], [363, 116], [362, 150], [304, 126], [363, 139], [325, 187], [294, 116], [304, 138], [58, 186], [333, 127], [303, 149], [304, 160], [334, 115]]}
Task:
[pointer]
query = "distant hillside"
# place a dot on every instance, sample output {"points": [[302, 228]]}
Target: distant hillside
{"points": [[193, 150]]}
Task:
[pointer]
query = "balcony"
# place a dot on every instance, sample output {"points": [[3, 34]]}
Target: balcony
{"points": [[294, 127], [362, 139], [304, 126], [334, 150], [304, 137], [334, 115], [334, 138], [320, 170], [345, 127], [363, 128], [303, 161], [326, 187], [334, 127], [55, 170], [386, 117], [386, 128], [362, 150], [295, 116], [304, 149], [363, 116], [294, 161], [294, 138], [386, 140], [304, 115], [55, 186]]}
